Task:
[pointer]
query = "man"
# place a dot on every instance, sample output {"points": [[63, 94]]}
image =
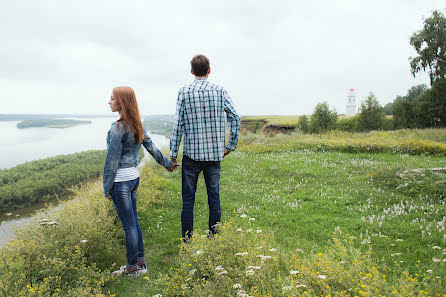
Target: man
{"points": [[200, 115]]}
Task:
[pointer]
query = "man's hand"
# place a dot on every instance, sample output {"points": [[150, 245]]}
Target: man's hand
{"points": [[226, 152], [110, 197], [174, 165]]}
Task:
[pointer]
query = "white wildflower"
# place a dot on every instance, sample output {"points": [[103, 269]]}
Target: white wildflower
{"points": [[242, 293], [243, 216], [254, 267], [198, 252], [287, 288], [436, 247], [239, 230], [436, 260], [264, 257], [223, 272], [249, 230], [272, 250], [300, 286], [399, 239], [237, 286], [192, 271], [259, 231], [241, 254], [322, 276], [8, 214], [252, 219], [294, 272], [219, 268], [429, 271], [84, 241], [249, 272], [158, 295], [298, 250], [187, 279]]}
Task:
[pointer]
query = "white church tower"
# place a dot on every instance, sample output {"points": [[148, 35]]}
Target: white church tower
{"points": [[350, 109]]}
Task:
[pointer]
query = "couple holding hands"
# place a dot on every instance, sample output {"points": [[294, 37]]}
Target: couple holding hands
{"points": [[201, 112]]}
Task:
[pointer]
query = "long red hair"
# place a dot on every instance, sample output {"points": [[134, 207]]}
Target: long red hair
{"points": [[130, 116]]}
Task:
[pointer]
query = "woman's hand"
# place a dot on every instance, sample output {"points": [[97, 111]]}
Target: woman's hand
{"points": [[174, 165], [110, 197]]}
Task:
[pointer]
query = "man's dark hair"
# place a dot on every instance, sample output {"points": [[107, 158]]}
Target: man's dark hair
{"points": [[200, 65]]}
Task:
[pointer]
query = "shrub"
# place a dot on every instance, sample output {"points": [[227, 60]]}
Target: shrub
{"points": [[303, 124], [347, 124], [372, 115], [323, 119]]}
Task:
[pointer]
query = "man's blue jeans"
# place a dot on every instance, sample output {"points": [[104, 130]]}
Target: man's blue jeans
{"points": [[124, 199], [189, 176]]}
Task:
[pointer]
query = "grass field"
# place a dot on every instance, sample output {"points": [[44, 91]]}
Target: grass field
{"points": [[296, 222], [275, 120]]}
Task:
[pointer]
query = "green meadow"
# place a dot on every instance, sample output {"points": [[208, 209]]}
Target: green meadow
{"points": [[336, 214]]}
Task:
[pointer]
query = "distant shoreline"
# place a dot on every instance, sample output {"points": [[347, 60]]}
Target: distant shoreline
{"points": [[50, 123], [23, 117]]}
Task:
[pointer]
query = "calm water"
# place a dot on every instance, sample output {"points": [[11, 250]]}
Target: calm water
{"points": [[21, 145]]}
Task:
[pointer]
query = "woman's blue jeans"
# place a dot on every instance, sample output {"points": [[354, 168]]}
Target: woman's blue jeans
{"points": [[189, 176], [124, 199]]}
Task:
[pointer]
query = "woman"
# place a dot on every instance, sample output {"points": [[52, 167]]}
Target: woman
{"points": [[121, 177]]}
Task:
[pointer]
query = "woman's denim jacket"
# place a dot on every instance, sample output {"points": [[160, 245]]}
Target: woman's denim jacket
{"points": [[123, 152]]}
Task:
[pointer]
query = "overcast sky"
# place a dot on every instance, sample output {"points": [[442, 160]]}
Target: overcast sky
{"points": [[273, 57]]}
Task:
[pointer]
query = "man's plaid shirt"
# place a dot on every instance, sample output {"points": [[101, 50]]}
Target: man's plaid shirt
{"points": [[200, 115]]}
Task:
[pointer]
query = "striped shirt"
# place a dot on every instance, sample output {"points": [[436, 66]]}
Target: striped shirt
{"points": [[126, 174], [200, 115]]}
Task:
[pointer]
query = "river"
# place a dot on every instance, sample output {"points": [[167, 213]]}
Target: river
{"points": [[21, 145]]}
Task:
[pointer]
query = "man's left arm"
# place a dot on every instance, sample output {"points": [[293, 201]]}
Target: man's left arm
{"points": [[233, 123]]}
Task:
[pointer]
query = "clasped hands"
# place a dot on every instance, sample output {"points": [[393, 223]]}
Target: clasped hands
{"points": [[174, 165]]}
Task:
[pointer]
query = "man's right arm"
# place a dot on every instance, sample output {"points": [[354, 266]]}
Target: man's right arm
{"points": [[178, 127]]}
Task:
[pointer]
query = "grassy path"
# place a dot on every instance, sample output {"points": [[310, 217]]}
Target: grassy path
{"points": [[301, 198]]}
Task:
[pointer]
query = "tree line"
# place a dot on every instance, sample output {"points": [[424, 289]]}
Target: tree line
{"points": [[41, 180], [421, 107]]}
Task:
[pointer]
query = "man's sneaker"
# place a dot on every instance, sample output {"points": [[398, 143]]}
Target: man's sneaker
{"points": [[125, 273], [142, 269]]}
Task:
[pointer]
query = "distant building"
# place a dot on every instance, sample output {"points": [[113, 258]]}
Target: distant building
{"points": [[350, 109]]}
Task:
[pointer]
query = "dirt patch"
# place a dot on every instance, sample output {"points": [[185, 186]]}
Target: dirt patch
{"points": [[252, 125], [275, 129]]}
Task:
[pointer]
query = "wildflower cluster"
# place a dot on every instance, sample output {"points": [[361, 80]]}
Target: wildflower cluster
{"points": [[237, 262]]}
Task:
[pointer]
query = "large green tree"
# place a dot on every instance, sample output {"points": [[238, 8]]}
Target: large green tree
{"points": [[430, 108], [323, 118], [430, 44], [404, 108], [372, 114]]}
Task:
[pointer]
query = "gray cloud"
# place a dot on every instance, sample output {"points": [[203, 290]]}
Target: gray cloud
{"points": [[277, 57]]}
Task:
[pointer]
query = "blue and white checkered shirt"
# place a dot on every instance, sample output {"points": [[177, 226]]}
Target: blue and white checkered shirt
{"points": [[200, 115]]}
